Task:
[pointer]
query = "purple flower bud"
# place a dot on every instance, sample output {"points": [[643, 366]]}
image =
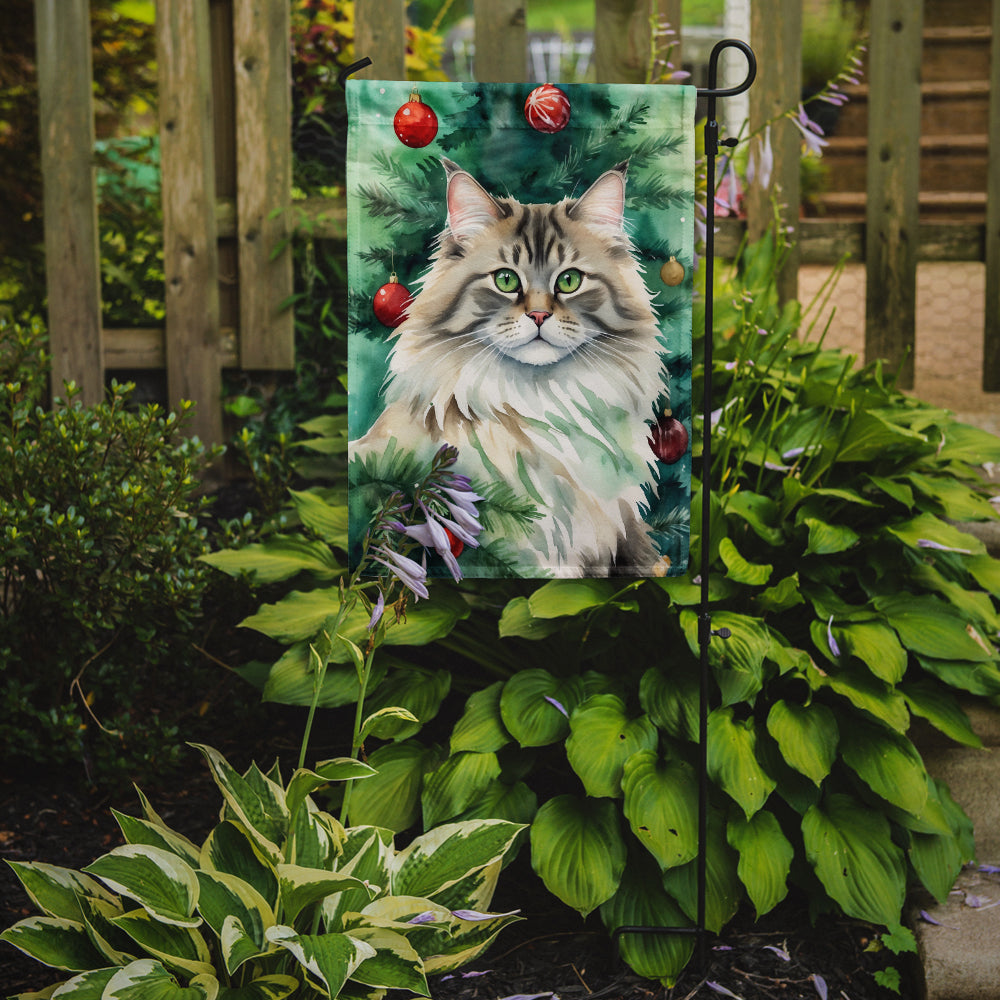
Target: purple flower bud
{"points": [[377, 611], [411, 574], [831, 642], [557, 704]]}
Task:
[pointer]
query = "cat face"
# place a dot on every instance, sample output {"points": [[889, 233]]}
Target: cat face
{"points": [[537, 283]]}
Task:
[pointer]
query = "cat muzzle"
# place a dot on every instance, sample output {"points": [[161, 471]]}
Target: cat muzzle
{"points": [[539, 316]]}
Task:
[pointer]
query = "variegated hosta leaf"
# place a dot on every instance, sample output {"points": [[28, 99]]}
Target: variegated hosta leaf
{"points": [[515, 803], [158, 880], [642, 902], [468, 939], [116, 946], [395, 964], [441, 857], [328, 959], [723, 889], [367, 853], [475, 891], [661, 799], [456, 784], [230, 849], [851, 849], [315, 838], [141, 831], [274, 987], [602, 737], [535, 706], [256, 801], [177, 947], [147, 979], [300, 887], [765, 858], [481, 727], [578, 851], [56, 891], [732, 760], [86, 986], [304, 782], [807, 736], [55, 941], [225, 897]]}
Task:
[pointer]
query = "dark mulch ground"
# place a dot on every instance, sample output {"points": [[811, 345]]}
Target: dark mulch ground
{"points": [[550, 952]]}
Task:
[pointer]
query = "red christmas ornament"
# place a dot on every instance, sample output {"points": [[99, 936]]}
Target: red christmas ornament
{"points": [[547, 109], [454, 543], [668, 439], [391, 302], [415, 122]]}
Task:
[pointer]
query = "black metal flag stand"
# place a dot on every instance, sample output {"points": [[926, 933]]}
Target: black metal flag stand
{"points": [[705, 630]]}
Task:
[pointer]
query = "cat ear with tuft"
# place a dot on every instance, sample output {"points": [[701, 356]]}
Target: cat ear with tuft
{"points": [[471, 207], [603, 203]]}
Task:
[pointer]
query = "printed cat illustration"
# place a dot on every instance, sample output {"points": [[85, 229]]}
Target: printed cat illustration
{"points": [[532, 346]]}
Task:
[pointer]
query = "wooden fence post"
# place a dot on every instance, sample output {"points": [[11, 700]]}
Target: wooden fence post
{"points": [[776, 35], [501, 41], [190, 251], [72, 255], [622, 39], [380, 34], [991, 332], [893, 183], [262, 61]]}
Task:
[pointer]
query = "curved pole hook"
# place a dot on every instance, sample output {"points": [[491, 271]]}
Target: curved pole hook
{"points": [[353, 68], [712, 90]]}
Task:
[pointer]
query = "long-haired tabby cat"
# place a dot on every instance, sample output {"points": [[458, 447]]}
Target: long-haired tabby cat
{"points": [[532, 347]]}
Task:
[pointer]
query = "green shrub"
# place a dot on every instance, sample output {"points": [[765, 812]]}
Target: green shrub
{"points": [[101, 584], [279, 900]]}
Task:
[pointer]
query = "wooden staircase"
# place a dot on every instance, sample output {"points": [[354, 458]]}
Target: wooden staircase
{"points": [[955, 90]]}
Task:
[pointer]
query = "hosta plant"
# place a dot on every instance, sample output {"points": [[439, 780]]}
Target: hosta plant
{"points": [[855, 605], [279, 900]]}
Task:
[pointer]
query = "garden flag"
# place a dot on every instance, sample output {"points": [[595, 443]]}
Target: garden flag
{"points": [[519, 263]]}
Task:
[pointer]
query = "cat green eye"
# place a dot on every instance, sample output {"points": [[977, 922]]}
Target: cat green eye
{"points": [[506, 280], [569, 281]]}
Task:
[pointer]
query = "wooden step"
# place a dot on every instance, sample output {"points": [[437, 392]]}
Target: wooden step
{"points": [[945, 104], [947, 162], [956, 53], [945, 12], [957, 206]]}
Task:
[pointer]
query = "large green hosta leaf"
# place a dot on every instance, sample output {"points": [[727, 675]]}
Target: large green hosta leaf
{"points": [[888, 763], [661, 806], [940, 707], [641, 901], [851, 850], [670, 698], [535, 706], [578, 851], [456, 784], [481, 727], [765, 858], [807, 736], [559, 598], [732, 760], [723, 889], [415, 689], [391, 798], [930, 627], [738, 661], [601, 740], [876, 645]]}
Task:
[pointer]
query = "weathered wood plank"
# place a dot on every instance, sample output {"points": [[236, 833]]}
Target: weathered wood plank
{"points": [[991, 331], [893, 184], [262, 62], [501, 41], [380, 34], [622, 40], [776, 35], [72, 257], [144, 348], [190, 254]]}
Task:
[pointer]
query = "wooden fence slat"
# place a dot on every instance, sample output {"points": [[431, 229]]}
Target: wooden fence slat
{"points": [[262, 61], [501, 41], [380, 34], [622, 40], [893, 184], [72, 256], [991, 331], [190, 253], [776, 36]]}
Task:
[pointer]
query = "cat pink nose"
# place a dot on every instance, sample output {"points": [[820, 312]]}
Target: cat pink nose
{"points": [[539, 316]]}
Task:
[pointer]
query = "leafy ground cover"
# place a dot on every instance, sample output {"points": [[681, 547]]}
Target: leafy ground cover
{"points": [[552, 951]]}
